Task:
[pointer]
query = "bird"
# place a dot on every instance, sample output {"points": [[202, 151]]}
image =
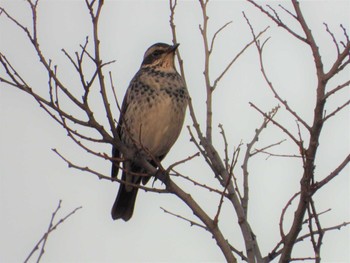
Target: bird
{"points": [[151, 119]]}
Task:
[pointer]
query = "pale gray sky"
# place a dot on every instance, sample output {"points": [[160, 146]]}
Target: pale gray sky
{"points": [[33, 178]]}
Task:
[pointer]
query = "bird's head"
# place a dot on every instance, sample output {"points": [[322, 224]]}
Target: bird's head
{"points": [[161, 56]]}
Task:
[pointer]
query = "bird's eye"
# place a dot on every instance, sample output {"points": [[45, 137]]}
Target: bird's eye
{"points": [[156, 53]]}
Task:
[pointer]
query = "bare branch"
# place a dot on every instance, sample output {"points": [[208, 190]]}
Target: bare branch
{"points": [[269, 116], [192, 223], [339, 108], [198, 211], [288, 12], [277, 21], [171, 167], [333, 174], [285, 130], [262, 68], [316, 244], [217, 80], [53, 77], [333, 38], [338, 88], [302, 259], [114, 91], [52, 227], [98, 61], [197, 183], [173, 32], [216, 218], [345, 35], [284, 210], [263, 150], [277, 251], [226, 160], [19, 83], [209, 89], [196, 143], [104, 177], [339, 63], [216, 34], [317, 214], [269, 154]]}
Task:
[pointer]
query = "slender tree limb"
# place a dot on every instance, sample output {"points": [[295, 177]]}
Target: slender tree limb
{"points": [[278, 251], [104, 177], [223, 73], [198, 211], [197, 183], [95, 15], [226, 159], [248, 154], [315, 132], [216, 218], [333, 38], [209, 89], [316, 244], [216, 34], [199, 147], [339, 64], [285, 130], [189, 158], [33, 38], [172, 5], [334, 112], [192, 223], [269, 83], [52, 227], [336, 89], [278, 21], [332, 175]]}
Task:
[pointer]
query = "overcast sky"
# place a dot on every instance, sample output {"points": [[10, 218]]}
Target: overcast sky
{"points": [[33, 179]]}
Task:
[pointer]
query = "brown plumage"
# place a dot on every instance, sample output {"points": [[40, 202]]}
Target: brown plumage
{"points": [[151, 118]]}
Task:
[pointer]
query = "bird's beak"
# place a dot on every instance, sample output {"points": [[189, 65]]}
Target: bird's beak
{"points": [[173, 48]]}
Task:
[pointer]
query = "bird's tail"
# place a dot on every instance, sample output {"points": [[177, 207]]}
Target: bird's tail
{"points": [[124, 204]]}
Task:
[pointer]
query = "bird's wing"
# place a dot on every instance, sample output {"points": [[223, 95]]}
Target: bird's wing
{"points": [[115, 152]]}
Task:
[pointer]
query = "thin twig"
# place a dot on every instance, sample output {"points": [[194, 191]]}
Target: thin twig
{"points": [[192, 223], [332, 175], [278, 21], [173, 4], [216, 34], [267, 80], [339, 108], [50, 229], [338, 88], [226, 160], [285, 130], [216, 218], [247, 156], [263, 150], [197, 183], [284, 210], [104, 177], [230, 64], [189, 158]]}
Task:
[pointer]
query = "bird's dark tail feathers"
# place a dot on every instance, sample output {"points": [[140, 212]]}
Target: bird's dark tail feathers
{"points": [[124, 204]]}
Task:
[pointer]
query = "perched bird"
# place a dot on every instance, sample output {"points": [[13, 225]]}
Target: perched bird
{"points": [[151, 118]]}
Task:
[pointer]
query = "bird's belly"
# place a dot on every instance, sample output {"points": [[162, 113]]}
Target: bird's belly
{"points": [[159, 126]]}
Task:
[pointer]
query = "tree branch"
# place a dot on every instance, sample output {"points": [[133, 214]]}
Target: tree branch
{"points": [[52, 227]]}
